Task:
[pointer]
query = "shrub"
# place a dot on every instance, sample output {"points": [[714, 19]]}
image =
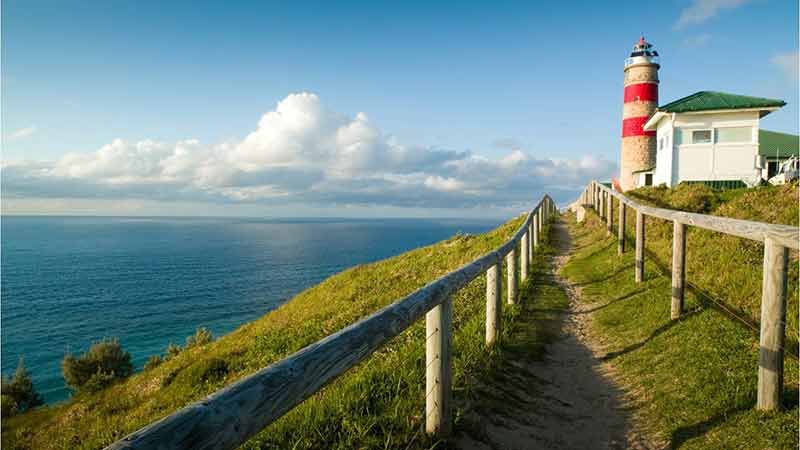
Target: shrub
{"points": [[201, 337], [172, 351], [97, 368], [18, 393], [153, 362], [203, 371]]}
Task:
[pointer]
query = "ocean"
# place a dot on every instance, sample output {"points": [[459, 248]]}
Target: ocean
{"points": [[66, 282]]}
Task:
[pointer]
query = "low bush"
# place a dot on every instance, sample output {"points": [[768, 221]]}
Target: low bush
{"points": [[153, 361], [201, 337], [18, 393], [97, 368]]}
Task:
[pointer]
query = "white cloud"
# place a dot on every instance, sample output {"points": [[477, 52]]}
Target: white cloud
{"points": [[699, 11], [700, 40], [788, 63], [301, 152], [22, 133]]}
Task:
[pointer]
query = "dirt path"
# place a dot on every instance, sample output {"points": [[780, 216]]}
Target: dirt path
{"points": [[566, 397]]}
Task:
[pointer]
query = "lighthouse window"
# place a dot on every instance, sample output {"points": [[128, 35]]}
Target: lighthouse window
{"points": [[701, 137], [734, 134]]}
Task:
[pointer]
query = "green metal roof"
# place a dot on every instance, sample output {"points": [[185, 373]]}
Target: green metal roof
{"points": [[774, 144], [709, 101]]}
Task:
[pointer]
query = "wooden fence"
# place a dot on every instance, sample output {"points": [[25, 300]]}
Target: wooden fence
{"points": [[777, 239], [230, 416]]}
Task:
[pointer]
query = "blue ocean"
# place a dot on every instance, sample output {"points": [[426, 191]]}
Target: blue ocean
{"points": [[70, 281]]}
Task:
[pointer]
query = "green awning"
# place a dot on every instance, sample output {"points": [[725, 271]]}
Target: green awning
{"points": [[709, 101], [772, 144]]}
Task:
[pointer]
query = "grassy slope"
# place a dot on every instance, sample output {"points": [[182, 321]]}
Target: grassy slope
{"points": [[696, 377], [380, 404]]}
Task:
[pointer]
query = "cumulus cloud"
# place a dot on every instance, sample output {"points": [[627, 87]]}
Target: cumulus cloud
{"points": [[301, 152], [22, 133], [699, 11], [788, 63]]}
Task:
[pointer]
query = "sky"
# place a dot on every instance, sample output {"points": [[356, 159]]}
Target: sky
{"points": [[410, 109]]}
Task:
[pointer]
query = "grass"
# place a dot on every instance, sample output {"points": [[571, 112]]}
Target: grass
{"points": [[694, 378], [379, 404], [734, 283]]}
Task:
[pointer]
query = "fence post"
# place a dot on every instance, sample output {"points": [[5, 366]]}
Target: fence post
{"points": [[541, 221], [438, 414], [535, 235], [513, 281], [603, 205], [532, 240], [493, 303], [639, 246], [678, 268], [773, 326], [621, 228], [610, 214], [523, 257]]}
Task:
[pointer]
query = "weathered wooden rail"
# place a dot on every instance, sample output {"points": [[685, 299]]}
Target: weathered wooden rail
{"points": [[228, 417], [777, 239]]}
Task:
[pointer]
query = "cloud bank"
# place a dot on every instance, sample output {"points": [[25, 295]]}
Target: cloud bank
{"points": [[700, 11], [302, 153]]}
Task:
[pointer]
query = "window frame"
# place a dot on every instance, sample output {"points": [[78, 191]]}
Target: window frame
{"points": [[711, 138], [716, 135]]}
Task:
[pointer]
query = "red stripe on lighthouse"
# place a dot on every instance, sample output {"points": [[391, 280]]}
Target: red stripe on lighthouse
{"points": [[633, 127], [645, 92]]}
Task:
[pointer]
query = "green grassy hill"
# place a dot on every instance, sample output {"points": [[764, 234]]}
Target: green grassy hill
{"points": [[695, 378], [379, 404]]}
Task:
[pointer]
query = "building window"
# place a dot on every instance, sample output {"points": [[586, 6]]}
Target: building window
{"points": [[701, 137], [772, 168], [734, 134], [648, 179]]}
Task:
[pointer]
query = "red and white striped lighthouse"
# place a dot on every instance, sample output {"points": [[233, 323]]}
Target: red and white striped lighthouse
{"points": [[641, 100]]}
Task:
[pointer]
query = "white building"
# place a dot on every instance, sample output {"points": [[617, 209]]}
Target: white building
{"points": [[714, 138]]}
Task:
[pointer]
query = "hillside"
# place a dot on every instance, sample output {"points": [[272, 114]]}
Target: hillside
{"points": [[693, 380], [378, 404]]}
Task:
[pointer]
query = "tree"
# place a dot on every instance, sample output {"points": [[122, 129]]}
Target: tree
{"points": [[95, 369], [18, 393]]}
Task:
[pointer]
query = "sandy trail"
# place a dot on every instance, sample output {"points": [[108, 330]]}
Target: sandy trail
{"points": [[567, 399]]}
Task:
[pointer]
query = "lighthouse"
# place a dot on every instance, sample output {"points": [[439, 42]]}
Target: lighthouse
{"points": [[641, 100]]}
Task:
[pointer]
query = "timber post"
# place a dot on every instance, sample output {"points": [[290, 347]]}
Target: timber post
{"points": [[535, 235], [438, 413], [678, 268], [621, 228], [639, 246], [513, 280], [493, 303], [610, 215], [523, 257], [531, 241], [773, 326]]}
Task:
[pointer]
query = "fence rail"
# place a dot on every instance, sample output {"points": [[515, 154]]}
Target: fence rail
{"points": [[230, 416], [777, 239]]}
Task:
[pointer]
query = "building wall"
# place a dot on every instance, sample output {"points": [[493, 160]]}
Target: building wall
{"points": [[684, 161], [664, 154]]}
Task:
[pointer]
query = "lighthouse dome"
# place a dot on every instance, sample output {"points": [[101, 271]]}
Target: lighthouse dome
{"points": [[643, 53]]}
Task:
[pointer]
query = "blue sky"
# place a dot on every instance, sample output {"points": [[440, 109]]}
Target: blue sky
{"points": [[476, 87]]}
